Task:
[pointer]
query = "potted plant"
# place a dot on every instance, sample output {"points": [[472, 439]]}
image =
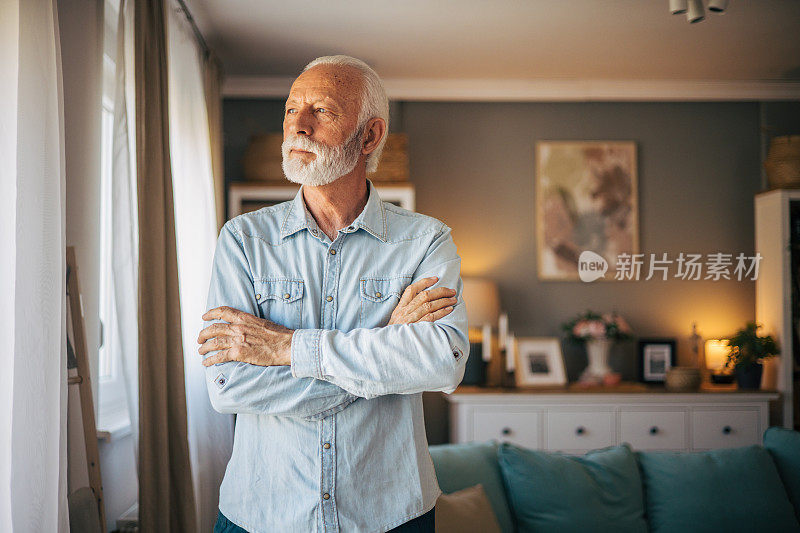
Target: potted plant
{"points": [[598, 332], [747, 351]]}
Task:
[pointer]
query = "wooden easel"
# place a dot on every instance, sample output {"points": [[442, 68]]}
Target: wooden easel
{"points": [[78, 374]]}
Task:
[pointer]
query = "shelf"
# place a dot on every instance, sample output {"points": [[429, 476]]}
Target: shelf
{"points": [[622, 388]]}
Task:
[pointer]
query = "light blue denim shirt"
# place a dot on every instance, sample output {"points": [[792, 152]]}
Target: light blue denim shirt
{"points": [[336, 441]]}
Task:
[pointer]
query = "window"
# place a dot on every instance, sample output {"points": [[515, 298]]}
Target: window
{"points": [[112, 404]]}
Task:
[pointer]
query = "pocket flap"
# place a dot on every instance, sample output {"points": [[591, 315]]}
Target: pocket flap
{"points": [[285, 290], [381, 289]]}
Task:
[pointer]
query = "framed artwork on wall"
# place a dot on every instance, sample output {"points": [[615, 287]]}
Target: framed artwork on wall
{"points": [[586, 200], [656, 356], [539, 362]]}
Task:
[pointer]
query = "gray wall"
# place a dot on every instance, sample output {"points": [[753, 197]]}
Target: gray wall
{"points": [[699, 165]]}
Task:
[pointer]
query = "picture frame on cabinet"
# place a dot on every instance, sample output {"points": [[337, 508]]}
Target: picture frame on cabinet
{"points": [[656, 357], [539, 361]]}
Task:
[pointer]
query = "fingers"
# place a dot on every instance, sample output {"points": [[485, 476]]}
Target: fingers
{"points": [[436, 315], [431, 295], [228, 314], [412, 290], [429, 307], [438, 292], [219, 357], [215, 330], [221, 342]]}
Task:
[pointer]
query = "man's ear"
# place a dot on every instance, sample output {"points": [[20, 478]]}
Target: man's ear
{"points": [[373, 133]]}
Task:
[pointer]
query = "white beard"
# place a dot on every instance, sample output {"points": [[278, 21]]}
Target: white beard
{"points": [[329, 164]]}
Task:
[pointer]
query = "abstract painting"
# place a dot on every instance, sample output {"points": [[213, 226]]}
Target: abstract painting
{"points": [[586, 200]]}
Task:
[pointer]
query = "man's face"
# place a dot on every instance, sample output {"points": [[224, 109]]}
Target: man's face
{"points": [[320, 141]]}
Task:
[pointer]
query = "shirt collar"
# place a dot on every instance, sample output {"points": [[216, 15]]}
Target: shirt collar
{"points": [[372, 218]]}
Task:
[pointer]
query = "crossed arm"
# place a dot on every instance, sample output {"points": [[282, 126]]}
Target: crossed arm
{"points": [[314, 372]]}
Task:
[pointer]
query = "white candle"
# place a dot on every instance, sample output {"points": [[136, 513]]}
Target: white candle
{"points": [[511, 352], [502, 331], [487, 342]]}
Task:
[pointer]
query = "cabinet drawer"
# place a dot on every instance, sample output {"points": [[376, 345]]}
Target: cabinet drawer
{"points": [[730, 428], [653, 430], [518, 427], [579, 430]]}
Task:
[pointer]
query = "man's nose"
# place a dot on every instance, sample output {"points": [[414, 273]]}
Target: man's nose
{"points": [[299, 123]]}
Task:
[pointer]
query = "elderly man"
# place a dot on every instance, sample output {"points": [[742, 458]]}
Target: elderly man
{"points": [[326, 324]]}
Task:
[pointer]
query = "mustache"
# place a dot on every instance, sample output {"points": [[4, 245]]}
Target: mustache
{"points": [[304, 143]]}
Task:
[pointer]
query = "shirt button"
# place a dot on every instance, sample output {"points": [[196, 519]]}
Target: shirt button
{"points": [[326, 445], [329, 298], [377, 295], [313, 231], [287, 296], [333, 252], [350, 228], [326, 496], [258, 296]]}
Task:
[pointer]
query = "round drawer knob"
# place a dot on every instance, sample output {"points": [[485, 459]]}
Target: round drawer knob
{"points": [[580, 430], [726, 430], [506, 431], [654, 430]]}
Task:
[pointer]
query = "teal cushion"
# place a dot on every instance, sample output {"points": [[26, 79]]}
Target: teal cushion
{"points": [[731, 490], [550, 491], [459, 466], [784, 447]]}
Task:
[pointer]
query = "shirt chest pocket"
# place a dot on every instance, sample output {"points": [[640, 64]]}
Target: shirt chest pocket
{"points": [[379, 297], [281, 301]]}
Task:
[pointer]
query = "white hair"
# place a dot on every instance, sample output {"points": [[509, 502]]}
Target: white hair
{"points": [[374, 102]]}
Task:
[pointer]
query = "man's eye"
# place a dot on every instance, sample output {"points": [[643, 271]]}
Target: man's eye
{"points": [[290, 111], [322, 110]]}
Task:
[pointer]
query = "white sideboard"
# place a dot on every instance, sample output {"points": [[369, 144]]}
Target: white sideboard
{"points": [[575, 422]]}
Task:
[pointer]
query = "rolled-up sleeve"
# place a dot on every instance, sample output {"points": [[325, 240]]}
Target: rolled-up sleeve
{"points": [[397, 358]]}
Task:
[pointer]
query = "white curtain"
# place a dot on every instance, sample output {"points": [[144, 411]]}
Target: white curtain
{"points": [[210, 433], [123, 329], [33, 398]]}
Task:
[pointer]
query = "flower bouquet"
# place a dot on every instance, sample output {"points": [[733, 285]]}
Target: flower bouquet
{"points": [[598, 332]]}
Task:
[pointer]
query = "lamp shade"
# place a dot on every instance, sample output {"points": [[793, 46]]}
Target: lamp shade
{"points": [[482, 300], [716, 354]]}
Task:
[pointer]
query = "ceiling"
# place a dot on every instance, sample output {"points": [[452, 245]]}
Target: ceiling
{"points": [[505, 42]]}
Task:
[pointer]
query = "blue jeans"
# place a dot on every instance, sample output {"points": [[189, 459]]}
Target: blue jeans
{"points": [[421, 524]]}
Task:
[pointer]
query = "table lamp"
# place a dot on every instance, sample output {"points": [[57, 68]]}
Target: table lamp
{"points": [[717, 360], [483, 309], [482, 300]]}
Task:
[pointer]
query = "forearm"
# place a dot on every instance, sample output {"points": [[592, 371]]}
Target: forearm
{"points": [[236, 387], [395, 359]]}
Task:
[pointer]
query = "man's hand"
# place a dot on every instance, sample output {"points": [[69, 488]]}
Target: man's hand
{"points": [[245, 338], [418, 305]]}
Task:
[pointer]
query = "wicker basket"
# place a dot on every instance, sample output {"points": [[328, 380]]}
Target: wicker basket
{"points": [[683, 379], [783, 162], [262, 159]]}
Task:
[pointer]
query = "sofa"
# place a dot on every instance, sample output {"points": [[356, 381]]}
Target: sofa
{"points": [[618, 489]]}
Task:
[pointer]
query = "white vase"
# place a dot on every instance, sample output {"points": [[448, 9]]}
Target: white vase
{"points": [[597, 351]]}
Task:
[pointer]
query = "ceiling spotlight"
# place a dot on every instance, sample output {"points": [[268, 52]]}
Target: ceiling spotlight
{"points": [[677, 7], [695, 13], [717, 6]]}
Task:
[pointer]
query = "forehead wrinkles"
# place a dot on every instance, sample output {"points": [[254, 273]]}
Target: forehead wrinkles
{"points": [[343, 85]]}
